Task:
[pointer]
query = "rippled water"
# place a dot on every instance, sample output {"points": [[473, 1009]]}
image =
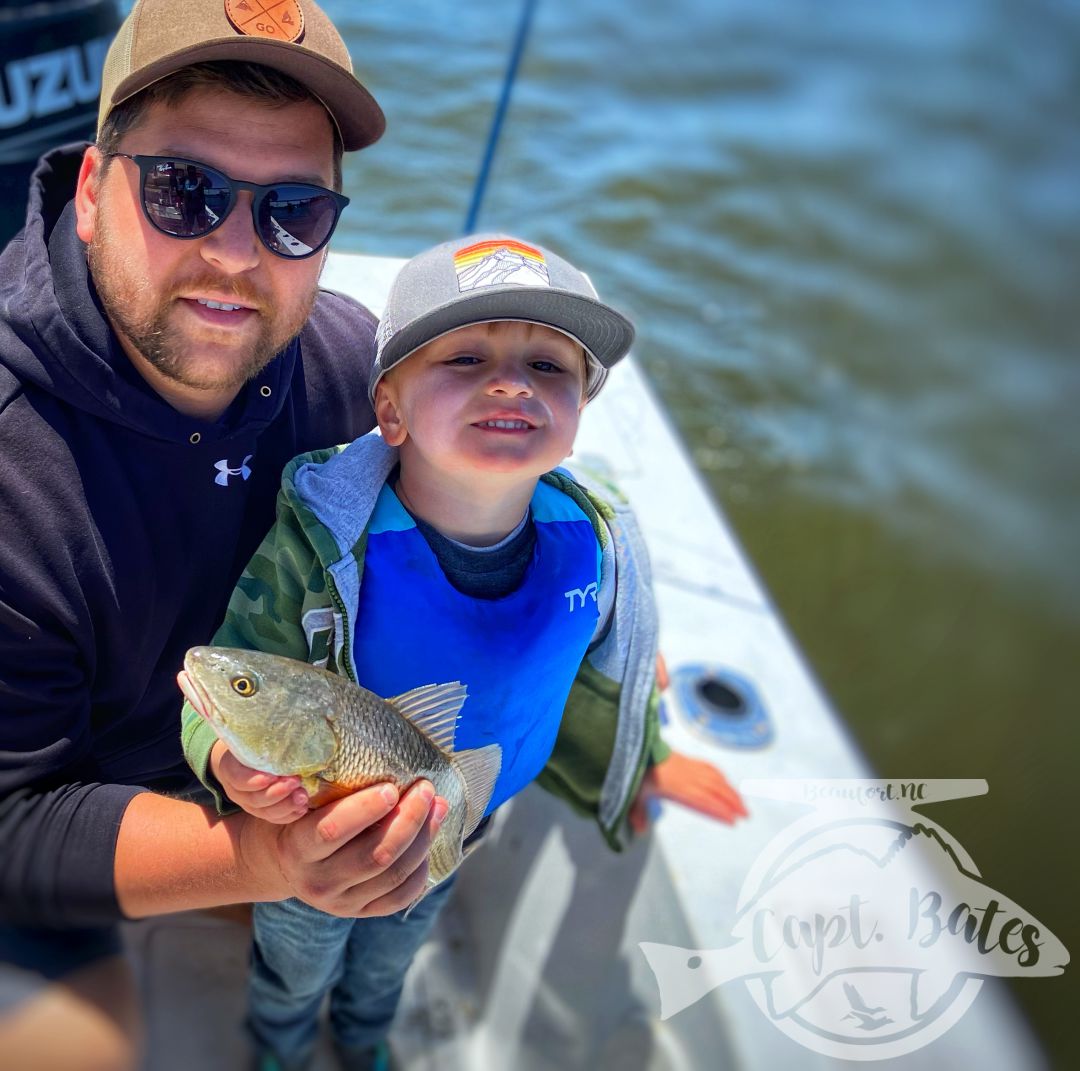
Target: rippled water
{"points": [[849, 233]]}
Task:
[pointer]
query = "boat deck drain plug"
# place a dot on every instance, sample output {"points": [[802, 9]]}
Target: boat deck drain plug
{"points": [[721, 705]]}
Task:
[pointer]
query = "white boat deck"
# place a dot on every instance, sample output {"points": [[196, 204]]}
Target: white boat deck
{"points": [[536, 964]]}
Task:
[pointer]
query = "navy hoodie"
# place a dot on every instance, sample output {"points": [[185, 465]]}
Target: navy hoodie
{"points": [[123, 527]]}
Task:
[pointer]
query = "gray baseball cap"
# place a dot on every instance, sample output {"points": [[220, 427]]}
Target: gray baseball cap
{"points": [[490, 277]]}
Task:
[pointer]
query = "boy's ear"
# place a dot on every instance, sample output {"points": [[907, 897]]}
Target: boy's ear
{"points": [[388, 414], [87, 191]]}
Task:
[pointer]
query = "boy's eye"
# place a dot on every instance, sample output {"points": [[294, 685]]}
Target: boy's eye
{"points": [[546, 366], [464, 359]]}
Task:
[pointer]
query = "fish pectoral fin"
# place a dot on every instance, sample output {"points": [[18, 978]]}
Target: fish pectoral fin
{"points": [[434, 710], [479, 770]]}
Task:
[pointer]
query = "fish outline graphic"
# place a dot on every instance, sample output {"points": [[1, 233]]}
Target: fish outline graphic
{"points": [[863, 930]]}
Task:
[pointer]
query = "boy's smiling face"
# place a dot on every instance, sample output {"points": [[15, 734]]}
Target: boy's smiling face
{"points": [[500, 397]]}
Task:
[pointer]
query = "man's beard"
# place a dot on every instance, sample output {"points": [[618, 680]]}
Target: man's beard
{"points": [[149, 332]]}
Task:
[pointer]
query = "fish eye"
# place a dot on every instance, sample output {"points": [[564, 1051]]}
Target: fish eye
{"points": [[244, 686]]}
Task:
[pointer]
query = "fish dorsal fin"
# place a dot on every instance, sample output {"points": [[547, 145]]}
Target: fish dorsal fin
{"points": [[479, 770], [434, 710]]}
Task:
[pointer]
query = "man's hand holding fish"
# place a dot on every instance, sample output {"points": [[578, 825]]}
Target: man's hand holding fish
{"points": [[355, 857], [358, 856]]}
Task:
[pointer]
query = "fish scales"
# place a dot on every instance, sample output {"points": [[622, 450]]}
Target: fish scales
{"points": [[394, 750], [286, 717]]}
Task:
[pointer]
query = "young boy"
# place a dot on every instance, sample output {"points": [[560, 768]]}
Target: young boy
{"points": [[447, 549]]}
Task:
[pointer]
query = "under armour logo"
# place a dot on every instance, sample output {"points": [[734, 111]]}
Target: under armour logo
{"points": [[224, 472], [578, 593]]}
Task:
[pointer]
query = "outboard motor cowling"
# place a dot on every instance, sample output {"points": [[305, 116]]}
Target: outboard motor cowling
{"points": [[51, 55]]}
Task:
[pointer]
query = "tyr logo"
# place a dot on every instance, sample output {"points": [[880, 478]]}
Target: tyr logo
{"points": [[224, 472], [577, 593]]}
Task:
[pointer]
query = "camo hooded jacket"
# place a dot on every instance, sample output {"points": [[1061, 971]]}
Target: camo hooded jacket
{"points": [[298, 594]]}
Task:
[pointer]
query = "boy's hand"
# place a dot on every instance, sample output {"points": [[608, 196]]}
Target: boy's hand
{"points": [[267, 796], [691, 782]]}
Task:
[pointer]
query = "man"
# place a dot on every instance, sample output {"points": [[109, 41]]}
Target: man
{"points": [[157, 370]]}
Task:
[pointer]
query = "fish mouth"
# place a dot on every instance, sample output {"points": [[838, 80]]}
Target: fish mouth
{"points": [[194, 693]]}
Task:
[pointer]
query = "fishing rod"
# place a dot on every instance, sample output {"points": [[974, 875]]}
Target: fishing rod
{"points": [[524, 24]]}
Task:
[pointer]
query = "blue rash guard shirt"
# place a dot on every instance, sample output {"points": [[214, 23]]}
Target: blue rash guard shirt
{"points": [[517, 655]]}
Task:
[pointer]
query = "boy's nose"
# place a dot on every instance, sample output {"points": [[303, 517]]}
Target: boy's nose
{"points": [[510, 381]]}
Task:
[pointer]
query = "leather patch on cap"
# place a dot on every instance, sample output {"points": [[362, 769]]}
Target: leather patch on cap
{"points": [[278, 20]]}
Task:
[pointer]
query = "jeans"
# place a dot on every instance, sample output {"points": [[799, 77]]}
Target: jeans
{"points": [[300, 953]]}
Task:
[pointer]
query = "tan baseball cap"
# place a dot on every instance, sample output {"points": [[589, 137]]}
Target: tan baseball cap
{"points": [[293, 36]]}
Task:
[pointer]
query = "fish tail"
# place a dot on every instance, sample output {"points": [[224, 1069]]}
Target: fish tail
{"points": [[479, 770], [445, 855], [443, 859]]}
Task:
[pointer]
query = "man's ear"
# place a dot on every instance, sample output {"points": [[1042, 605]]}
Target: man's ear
{"points": [[388, 414], [87, 192]]}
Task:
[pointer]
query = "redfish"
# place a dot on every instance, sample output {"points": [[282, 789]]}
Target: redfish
{"points": [[286, 717]]}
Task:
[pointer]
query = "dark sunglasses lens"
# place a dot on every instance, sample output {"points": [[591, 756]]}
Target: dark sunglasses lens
{"points": [[296, 220], [185, 200]]}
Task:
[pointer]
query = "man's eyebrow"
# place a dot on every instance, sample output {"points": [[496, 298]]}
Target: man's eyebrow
{"points": [[309, 179]]}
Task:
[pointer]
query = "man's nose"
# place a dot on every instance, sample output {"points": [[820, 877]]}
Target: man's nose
{"points": [[234, 247]]}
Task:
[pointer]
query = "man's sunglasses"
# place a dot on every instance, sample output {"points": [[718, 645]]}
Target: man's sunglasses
{"points": [[186, 199]]}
